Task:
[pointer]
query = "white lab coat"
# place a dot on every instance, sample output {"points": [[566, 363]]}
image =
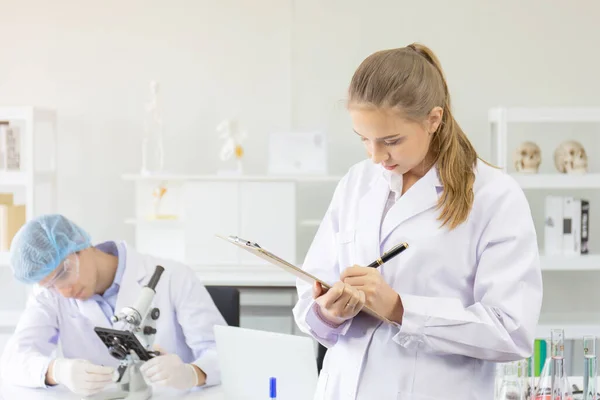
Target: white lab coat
{"points": [[471, 296], [185, 325]]}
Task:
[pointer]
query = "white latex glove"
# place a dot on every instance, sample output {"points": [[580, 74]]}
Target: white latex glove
{"points": [[169, 370], [81, 376]]}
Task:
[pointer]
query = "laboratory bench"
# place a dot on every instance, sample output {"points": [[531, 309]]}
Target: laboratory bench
{"points": [[8, 392]]}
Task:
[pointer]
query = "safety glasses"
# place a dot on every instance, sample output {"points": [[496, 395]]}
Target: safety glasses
{"points": [[66, 274]]}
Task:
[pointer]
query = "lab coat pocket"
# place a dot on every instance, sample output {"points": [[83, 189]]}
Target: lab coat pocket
{"points": [[321, 386], [345, 248]]}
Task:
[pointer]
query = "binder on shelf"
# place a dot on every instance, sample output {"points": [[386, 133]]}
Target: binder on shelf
{"points": [[566, 226], [571, 226], [553, 226], [585, 226]]}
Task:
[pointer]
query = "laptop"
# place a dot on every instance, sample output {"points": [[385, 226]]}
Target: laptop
{"points": [[249, 358]]}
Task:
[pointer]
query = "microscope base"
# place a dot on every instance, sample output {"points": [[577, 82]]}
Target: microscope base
{"points": [[132, 386], [122, 394]]}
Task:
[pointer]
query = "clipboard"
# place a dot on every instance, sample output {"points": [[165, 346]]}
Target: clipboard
{"points": [[266, 255]]}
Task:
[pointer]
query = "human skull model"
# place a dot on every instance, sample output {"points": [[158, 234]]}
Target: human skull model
{"points": [[570, 158], [528, 158]]}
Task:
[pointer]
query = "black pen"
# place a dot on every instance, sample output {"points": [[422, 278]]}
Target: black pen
{"points": [[394, 251]]}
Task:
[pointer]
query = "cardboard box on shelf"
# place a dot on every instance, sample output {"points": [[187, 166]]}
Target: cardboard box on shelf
{"points": [[12, 218], [7, 198]]}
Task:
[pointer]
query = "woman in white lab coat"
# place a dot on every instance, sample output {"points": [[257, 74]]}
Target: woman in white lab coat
{"points": [[468, 290], [79, 287]]}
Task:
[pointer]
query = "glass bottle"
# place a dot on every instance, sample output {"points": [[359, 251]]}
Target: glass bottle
{"points": [[152, 144], [528, 378], [511, 384]]}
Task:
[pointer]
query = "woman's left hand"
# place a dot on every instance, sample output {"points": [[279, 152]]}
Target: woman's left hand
{"points": [[380, 297]]}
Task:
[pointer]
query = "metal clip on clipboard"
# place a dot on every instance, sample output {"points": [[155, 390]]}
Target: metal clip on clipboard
{"points": [[258, 251]]}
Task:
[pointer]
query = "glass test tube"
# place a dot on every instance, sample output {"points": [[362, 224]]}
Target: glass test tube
{"points": [[590, 368]]}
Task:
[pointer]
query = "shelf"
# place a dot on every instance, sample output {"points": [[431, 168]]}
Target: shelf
{"points": [[558, 181], [572, 331], [22, 178], [575, 114], [575, 324], [157, 223], [232, 178], [244, 275], [14, 178], [25, 113], [584, 262], [4, 259]]}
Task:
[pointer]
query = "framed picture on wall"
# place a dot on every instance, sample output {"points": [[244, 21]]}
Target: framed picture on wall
{"points": [[297, 153]]}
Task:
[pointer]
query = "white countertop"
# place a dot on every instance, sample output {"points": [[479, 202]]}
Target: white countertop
{"points": [[12, 392], [212, 393]]}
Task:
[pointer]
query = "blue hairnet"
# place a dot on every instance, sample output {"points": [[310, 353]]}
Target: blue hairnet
{"points": [[42, 244]]}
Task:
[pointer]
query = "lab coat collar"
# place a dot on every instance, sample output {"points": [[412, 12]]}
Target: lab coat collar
{"points": [[422, 196], [136, 269], [395, 181]]}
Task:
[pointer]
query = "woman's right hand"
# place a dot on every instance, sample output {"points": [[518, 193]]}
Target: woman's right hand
{"points": [[340, 303]]}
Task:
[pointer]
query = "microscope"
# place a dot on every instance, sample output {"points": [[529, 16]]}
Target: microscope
{"points": [[131, 345]]}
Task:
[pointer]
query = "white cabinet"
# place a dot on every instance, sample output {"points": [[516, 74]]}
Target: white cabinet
{"points": [[268, 217], [263, 212], [210, 208], [263, 209]]}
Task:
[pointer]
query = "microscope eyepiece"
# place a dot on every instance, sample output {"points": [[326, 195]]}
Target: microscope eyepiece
{"points": [[155, 277]]}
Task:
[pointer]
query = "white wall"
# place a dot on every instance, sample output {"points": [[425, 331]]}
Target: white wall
{"points": [[514, 53], [277, 65], [92, 61]]}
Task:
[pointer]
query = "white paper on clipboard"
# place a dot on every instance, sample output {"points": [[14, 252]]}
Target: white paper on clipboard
{"points": [[258, 251]]}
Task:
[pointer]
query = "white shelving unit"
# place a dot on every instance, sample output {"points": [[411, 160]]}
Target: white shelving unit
{"points": [[502, 115], [38, 160], [558, 181], [179, 179], [572, 331], [500, 119], [33, 185], [588, 262], [159, 223], [232, 178]]}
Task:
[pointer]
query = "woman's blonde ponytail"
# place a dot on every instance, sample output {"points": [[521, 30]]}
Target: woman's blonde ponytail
{"points": [[411, 80]]}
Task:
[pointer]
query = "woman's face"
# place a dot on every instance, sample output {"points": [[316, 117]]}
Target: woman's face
{"points": [[398, 144]]}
